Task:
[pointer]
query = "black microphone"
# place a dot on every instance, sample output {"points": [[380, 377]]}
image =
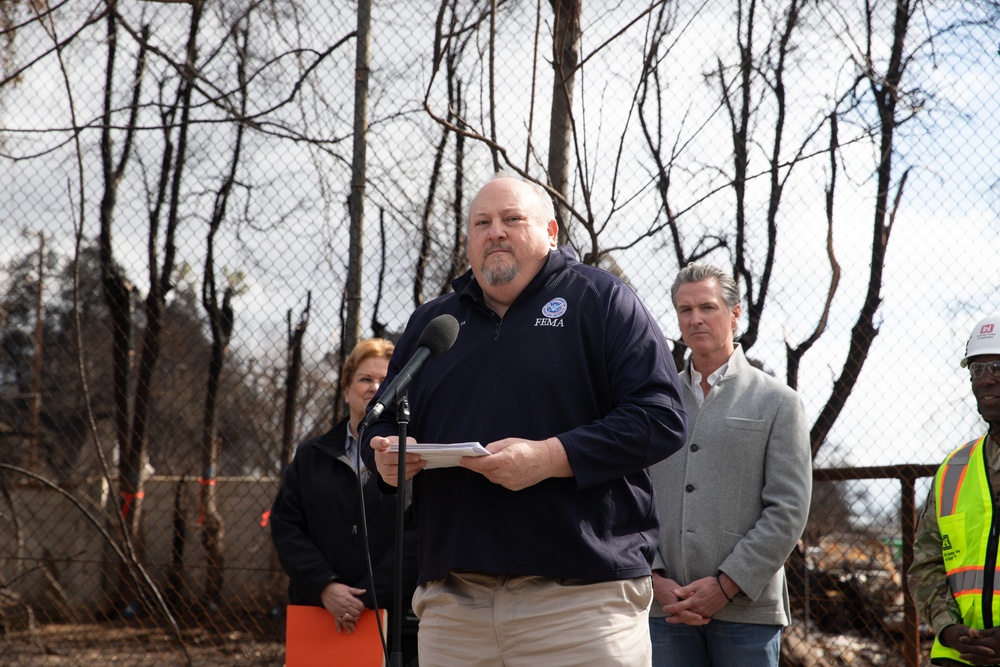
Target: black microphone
{"points": [[437, 337]]}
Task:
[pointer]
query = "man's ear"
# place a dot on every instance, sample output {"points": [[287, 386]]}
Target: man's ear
{"points": [[553, 230]]}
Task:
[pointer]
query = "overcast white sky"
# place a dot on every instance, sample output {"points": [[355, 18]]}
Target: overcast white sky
{"points": [[912, 403]]}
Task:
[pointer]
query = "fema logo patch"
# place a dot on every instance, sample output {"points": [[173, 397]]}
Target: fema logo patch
{"points": [[554, 308]]}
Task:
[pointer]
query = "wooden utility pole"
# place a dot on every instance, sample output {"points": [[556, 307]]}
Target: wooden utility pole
{"points": [[36, 380]]}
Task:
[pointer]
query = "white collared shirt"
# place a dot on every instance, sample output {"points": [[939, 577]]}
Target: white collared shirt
{"points": [[350, 449], [695, 385]]}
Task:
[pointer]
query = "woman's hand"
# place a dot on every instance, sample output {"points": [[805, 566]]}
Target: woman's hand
{"points": [[344, 604]]}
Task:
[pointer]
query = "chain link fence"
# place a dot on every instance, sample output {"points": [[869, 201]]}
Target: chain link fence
{"points": [[177, 234]]}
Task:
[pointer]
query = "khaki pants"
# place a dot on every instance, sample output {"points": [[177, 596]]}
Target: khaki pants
{"points": [[478, 620]]}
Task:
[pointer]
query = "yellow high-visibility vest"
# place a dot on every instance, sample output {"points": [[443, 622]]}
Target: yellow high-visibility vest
{"points": [[968, 539]]}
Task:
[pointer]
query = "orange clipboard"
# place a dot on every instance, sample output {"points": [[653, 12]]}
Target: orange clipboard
{"points": [[312, 640]]}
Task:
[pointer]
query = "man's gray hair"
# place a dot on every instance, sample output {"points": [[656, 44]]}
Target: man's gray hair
{"points": [[544, 198], [695, 273]]}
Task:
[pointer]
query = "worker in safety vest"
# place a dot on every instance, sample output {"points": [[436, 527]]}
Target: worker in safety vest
{"points": [[956, 548]]}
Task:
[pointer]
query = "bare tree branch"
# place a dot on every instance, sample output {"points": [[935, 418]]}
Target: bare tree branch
{"points": [[885, 92], [794, 354]]}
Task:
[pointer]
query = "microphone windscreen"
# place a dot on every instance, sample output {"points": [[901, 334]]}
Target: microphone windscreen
{"points": [[439, 334]]}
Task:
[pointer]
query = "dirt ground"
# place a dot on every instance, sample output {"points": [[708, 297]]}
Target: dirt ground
{"points": [[100, 645], [122, 643]]}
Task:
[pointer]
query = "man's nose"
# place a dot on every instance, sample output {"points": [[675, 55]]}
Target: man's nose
{"points": [[496, 230]]}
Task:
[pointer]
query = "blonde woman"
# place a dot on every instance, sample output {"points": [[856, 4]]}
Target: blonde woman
{"points": [[316, 517]]}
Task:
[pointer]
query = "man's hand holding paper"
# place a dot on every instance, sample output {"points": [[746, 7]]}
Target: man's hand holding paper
{"points": [[387, 462], [516, 463]]}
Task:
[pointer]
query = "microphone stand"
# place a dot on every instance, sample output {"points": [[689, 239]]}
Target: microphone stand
{"points": [[402, 419]]}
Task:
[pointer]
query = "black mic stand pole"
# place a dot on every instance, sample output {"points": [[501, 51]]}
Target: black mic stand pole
{"points": [[402, 419]]}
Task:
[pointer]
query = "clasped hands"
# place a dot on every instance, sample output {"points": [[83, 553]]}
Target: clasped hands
{"points": [[980, 647], [694, 604], [344, 604]]}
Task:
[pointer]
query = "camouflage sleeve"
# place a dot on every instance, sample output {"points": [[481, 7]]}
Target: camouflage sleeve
{"points": [[926, 578]]}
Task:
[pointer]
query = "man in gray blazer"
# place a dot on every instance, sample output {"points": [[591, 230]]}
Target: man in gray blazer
{"points": [[734, 501]]}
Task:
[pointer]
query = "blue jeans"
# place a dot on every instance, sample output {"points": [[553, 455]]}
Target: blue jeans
{"points": [[717, 644]]}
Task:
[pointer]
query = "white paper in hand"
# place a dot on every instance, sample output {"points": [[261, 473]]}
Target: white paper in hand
{"points": [[443, 456]]}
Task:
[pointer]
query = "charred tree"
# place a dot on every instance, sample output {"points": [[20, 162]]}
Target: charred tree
{"points": [[886, 90], [566, 36], [220, 319]]}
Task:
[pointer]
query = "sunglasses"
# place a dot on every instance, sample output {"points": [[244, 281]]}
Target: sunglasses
{"points": [[978, 368]]}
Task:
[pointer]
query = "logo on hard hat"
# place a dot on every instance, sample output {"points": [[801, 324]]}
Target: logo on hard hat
{"points": [[984, 339]]}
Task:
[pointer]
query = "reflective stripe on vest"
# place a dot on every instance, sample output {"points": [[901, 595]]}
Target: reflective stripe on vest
{"points": [[965, 514]]}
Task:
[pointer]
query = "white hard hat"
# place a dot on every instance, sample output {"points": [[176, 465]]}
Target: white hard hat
{"points": [[984, 339]]}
